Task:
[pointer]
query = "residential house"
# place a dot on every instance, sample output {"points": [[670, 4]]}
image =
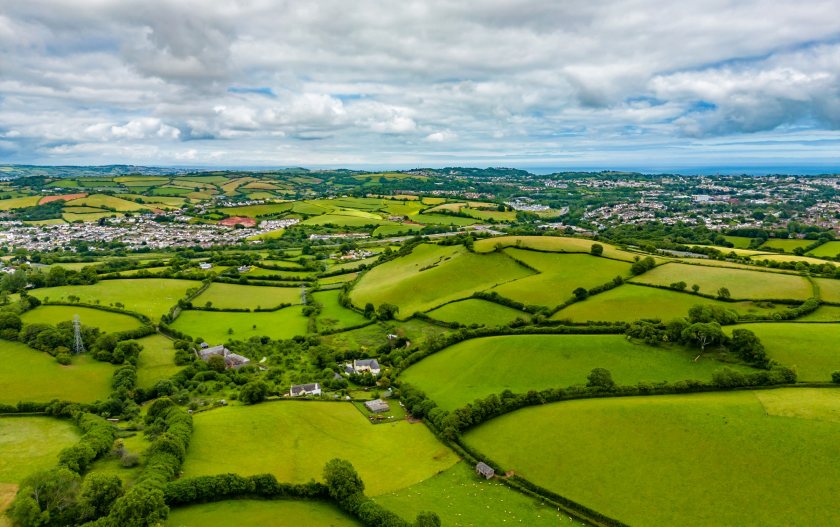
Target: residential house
{"points": [[363, 365], [305, 389]]}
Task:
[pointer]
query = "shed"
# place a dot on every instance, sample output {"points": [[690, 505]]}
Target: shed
{"points": [[377, 406], [484, 470]]}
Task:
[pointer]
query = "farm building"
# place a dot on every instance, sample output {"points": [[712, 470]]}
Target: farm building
{"points": [[232, 360], [377, 406], [305, 389], [204, 266], [363, 365], [484, 470]]}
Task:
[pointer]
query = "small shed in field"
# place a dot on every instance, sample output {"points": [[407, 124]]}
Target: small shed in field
{"points": [[484, 470]]}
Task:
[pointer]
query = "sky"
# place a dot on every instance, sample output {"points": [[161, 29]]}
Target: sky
{"points": [[636, 84]]}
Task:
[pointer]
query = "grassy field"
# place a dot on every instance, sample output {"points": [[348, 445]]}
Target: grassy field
{"points": [[334, 315], [743, 458], [30, 375], [19, 203], [346, 220], [443, 219], [252, 211], [111, 202], [741, 284], [220, 326], [328, 430], [478, 367], [338, 279], [785, 245], [811, 348], [559, 244], [823, 314], [477, 311], [157, 360], [150, 296], [277, 513], [829, 289], [462, 499], [828, 249], [235, 296], [394, 230], [633, 302], [104, 320], [414, 282], [29, 444], [560, 274], [740, 242]]}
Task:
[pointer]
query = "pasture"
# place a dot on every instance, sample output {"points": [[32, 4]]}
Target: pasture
{"points": [[443, 219], [559, 275], [413, 282], [220, 326], [345, 220], [631, 302], [328, 430], [333, 315], [822, 314], [19, 203], [394, 230], [31, 375], [477, 311], [105, 320], [735, 458], [479, 367], [149, 296], [156, 361], [829, 290], [827, 250], [786, 245], [740, 242], [754, 285], [810, 348], [110, 202], [452, 495], [235, 296], [30, 444], [264, 513], [253, 211], [559, 244]]}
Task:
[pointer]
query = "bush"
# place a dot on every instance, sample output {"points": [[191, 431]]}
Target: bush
{"points": [[835, 377], [64, 359]]}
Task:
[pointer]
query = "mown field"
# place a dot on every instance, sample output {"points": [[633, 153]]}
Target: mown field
{"points": [[31, 375], [558, 244], [786, 245], [105, 320], [811, 348], [262, 513], [477, 311], [29, 444], [333, 315], [823, 314], [217, 327], [479, 367], [631, 302], [740, 242], [741, 284], [303, 436], [149, 296], [828, 249], [414, 282], [157, 360], [829, 290], [235, 296], [462, 499], [766, 458], [559, 275]]}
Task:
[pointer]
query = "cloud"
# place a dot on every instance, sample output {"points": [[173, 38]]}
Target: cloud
{"points": [[267, 81]]}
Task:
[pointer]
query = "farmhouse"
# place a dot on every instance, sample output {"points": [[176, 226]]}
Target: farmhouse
{"points": [[363, 365], [232, 360], [305, 389], [377, 406], [484, 470]]}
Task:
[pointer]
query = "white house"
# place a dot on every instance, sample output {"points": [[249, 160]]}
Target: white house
{"points": [[305, 389], [363, 365]]}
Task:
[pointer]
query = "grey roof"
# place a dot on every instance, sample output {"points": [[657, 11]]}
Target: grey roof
{"points": [[300, 388], [377, 405], [370, 363], [484, 469]]}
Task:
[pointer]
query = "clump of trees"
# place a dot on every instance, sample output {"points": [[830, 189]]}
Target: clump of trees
{"points": [[643, 265]]}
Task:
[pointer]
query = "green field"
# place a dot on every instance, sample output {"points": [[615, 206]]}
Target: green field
{"points": [[29, 444], [338, 279], [823, 314], [262, 513], [829, 290], [252, 211], [452, 495], [149, 296], [786, 245], [19, 203], [827, 250], [220, 326], [345, 220], [560, 274], [235, 296], [334, 315], [477, 311], [30, 375], [740, 242], [479, 367], [559, 244], [97, 318], [766, 458], [157, 360], [303, 436], [741, 284], [394, 230], [111, 202], [443, 219], [433, 275], [811, 348], [631, 302]]}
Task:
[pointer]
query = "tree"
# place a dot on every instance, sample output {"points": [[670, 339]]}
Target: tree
{"points": [[724, 294], [596, 250], [747, 345], [139, 507], [695, 288], [99, 491], [216, 363], [387, 311], [44, 497], [679, 286], [253, 392], [370, 310], [703, 334], [427, 519], [835, 377], [600, 378], [126, 351], [580, 293], [643, 265], [342, 480]]}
